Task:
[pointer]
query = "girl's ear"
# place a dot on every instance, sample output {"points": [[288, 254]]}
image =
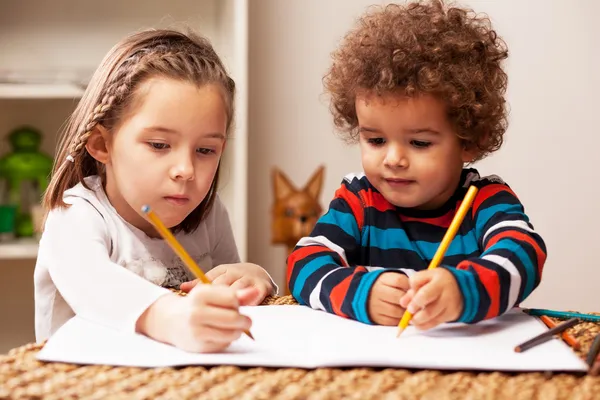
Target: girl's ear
{"points": [[97, 144]]}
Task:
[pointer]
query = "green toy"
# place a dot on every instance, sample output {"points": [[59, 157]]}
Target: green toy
{"points": [[26, 171]]}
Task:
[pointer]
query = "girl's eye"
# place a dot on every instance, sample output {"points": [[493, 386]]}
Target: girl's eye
{"points": [[376, 141], [420, 144], [205, 151], [158, 145]]}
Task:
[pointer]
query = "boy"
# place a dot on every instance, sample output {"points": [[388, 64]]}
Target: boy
{"points": [[421, 88]]}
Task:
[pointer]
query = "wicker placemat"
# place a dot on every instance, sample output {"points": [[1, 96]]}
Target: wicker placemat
{"points": [[22, 376]]}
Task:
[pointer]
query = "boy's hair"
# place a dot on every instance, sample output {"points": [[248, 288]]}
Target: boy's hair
{"points": [[138, 57], [421, 48]]}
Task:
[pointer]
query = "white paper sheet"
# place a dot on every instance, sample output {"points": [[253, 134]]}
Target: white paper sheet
{"points": [[296, 336]]}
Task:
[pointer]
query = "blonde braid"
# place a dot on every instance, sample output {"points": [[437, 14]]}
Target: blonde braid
{"points": [[157, 58], [115, 93]]}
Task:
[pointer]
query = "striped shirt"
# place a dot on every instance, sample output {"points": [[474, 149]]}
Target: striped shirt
{"points": [[496, 256]]}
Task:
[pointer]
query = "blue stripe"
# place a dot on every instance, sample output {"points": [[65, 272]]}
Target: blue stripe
{"points": [[346, 221], [515, 248], [394, 238], [473, 299], [468, 288], [359, 304], [483, 216], [306, 271]]}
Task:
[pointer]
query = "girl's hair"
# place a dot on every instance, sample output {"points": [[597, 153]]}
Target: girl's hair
{"points": [[425, 47], [138, 57]]}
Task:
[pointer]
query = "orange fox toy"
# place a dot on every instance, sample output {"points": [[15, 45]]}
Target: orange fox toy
{"points": [[295, 212]]}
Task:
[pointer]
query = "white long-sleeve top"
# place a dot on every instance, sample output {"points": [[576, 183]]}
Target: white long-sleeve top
{"points": [[93, 263]]}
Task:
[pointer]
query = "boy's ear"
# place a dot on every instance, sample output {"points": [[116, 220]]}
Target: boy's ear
{"points": [[315, 183], [470, 153], [282, 185], [97, 144]]}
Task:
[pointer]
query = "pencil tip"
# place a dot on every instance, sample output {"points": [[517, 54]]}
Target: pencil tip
{"points": [[518, 349], [145, 208], [249, 335], [400, 330]]}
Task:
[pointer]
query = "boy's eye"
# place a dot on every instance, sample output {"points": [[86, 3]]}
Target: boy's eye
{"points": [[158, 145], [420, 144], [376, 141], [205, 151]]}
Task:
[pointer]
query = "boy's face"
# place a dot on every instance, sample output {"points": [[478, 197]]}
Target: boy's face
{"points": [[409, 150]]}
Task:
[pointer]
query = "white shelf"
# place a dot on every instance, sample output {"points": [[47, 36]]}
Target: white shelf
{"points": [[39, 91], [19, 249]]}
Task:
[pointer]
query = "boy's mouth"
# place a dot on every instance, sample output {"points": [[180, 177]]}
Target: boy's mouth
{"points": [[398, 181]]}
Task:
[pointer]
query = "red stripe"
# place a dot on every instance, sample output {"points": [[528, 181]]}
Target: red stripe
{"points": [[301, 254], [338, 293], [444, 221], [375, 200], [490, 280], [520, 236], [488, 191], [354, 203]]}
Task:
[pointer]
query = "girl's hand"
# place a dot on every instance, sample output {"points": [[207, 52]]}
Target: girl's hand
{"points": [[207, 320], [238, 276]]}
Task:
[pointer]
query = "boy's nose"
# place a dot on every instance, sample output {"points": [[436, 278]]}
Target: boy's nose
{"points": [[395, 157]]}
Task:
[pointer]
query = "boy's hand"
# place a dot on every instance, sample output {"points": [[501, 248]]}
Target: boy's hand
{"points": [[434, 298], [384, 301], [238, 276]]}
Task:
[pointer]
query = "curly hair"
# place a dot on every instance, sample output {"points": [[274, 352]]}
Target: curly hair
{"points": [[425, 47]]}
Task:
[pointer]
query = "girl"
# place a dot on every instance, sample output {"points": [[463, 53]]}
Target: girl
{"points": [[150, 129]]}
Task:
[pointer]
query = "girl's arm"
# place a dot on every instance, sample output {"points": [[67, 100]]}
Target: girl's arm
{"points": [[75, 249]]}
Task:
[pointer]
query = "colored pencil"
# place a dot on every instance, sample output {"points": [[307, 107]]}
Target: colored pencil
{"points": [[567, 337], [562, 314], [447, 239], [178, 249], [544, 337], [594, 351]]}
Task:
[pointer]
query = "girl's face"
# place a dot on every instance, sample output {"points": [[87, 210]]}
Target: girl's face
{"points": [[165, 151]]}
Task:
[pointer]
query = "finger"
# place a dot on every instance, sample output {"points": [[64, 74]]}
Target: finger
{"points": [[384, 320], [391, 295], [425, 295], [209, 347], [187, 286], [241, 283], [248, 296], [432, 323], [215, 272], [213, 334], [395, 280], [429, 313], [215, 295], [222, 318], [420, 279], [407, 298]]}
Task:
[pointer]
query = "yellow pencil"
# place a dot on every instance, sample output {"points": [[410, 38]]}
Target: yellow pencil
{"points": [[439, 254], [178, 249]]}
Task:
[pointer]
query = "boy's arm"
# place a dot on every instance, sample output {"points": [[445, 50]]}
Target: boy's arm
{"points": [[322, 271], [513, 257]]}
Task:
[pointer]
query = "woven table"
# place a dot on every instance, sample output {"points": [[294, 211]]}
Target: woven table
{"points": [[23, 377]]}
